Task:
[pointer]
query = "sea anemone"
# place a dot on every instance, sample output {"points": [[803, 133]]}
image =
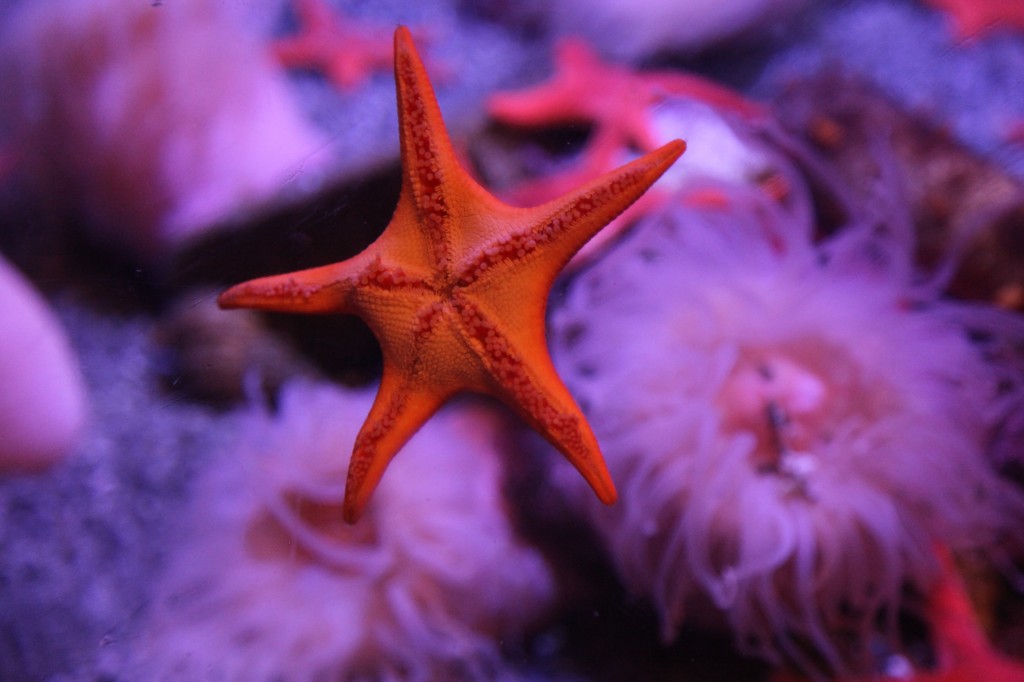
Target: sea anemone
{"points": [[43, 402], [791, 422], [151, 120], [272, 585]]}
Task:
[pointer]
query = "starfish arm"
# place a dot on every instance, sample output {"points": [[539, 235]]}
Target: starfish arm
{"points": [[398, 412], [325, 289], [437, 193], [524, 378], [552, 234], [567, 97], [293, 52], [964, 650], [542, 105], [548, 407], [430, 170], [560, 101], [306, 47], [578, 215], [567, 223]]}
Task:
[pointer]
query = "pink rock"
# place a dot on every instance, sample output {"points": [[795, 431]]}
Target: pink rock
{"points": [[42, 400]]}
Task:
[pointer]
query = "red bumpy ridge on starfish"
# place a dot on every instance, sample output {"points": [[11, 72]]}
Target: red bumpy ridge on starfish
{"points": [[456, 289]]}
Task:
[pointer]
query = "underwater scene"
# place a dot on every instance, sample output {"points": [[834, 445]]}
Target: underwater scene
{"points": [[458, 340]]}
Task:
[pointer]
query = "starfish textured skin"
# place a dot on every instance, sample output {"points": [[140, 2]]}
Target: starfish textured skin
{"points": [[456, 289]]}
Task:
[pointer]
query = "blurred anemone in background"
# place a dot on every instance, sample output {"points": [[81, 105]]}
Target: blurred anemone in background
{"points": [[791, 422], [271, 584], [153, 121], [43, 401]]}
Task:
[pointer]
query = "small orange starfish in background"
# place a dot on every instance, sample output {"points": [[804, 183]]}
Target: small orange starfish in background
{"points": [[618, 101], [346, 52], [972, 18], [963, 652], [456, 289]]}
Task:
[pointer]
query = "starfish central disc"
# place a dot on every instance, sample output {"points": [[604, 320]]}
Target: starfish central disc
{"points": [[456, 289]]}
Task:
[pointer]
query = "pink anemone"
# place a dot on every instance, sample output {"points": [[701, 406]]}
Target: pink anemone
{"points": [[270, 583], [791, 423]]}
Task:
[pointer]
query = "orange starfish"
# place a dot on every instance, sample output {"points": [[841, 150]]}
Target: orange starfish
{"points": [[347, 53], [456, 288]]}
